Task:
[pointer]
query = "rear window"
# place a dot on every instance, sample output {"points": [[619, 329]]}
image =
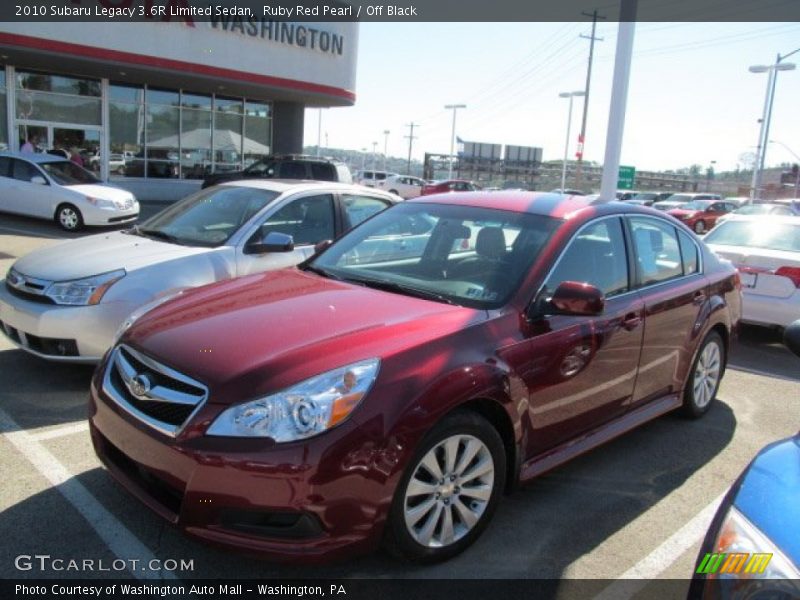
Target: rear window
{"points": [[757, 234], [323, 172]]}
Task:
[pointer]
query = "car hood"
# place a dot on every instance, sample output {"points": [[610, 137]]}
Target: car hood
{"points": [[768, 494], [97, 190], [269, 331], [95, 254]]}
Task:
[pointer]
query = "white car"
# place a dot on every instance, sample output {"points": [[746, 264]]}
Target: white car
{"points": [[766, 250], [404, 186], [51, 187], [66, 302], [371, 178]]}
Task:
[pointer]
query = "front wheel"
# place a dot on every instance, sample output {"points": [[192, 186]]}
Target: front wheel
{"points": [[705, 376], [69, 218], [449, 490]]}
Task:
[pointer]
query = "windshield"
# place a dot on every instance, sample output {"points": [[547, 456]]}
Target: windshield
{"points": [[474, 257], [697, 205], [64, 172], [754, 209], [209, 217], [679, 198], [645, 196], [771, 235]]}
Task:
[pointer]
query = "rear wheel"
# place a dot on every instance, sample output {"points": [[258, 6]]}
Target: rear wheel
{"points": [[700, 227], [449, 491], [69, 217], [705, 376]]}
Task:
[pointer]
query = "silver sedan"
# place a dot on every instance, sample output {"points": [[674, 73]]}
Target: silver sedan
{"points": [[66, 302]]}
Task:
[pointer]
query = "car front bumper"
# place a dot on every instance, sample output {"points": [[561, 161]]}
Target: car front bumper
{"points": [[77, 334], [308, 501], [103, 216]]}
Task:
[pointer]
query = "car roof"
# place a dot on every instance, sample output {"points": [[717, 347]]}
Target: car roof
{"points": [[536, 203], [301, 185], [35, 157]]}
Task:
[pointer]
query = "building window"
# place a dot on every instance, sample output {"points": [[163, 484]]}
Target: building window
{"points": [[195, 136], [126, 129], [3, 111], [162, 133], [257, 127], [56, 98], [228, 123]]}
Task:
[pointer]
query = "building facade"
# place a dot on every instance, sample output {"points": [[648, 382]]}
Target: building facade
{"points": [[162, 102]]}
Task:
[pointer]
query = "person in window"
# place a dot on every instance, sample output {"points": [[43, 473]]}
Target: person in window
{"points": [[30, 145], [75, 156]]}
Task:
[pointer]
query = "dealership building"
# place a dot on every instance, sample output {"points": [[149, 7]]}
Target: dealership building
{"points": [[155, 106]]}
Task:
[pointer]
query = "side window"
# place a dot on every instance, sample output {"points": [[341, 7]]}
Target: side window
{"points": [[596, 255], [658, 256], [5, 166], [308, 220], [24, 171], [360, 208], [691, 264], [322, 172], [293, 170]]}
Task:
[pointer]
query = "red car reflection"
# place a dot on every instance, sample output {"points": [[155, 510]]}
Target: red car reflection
{"points": [[393, 386]]}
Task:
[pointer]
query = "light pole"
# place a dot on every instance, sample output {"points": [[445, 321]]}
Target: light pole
{"points": [[386, 133], [454, 108], [374, 155], [765, 117], [363, 158], [569, 95], [319, 132]]}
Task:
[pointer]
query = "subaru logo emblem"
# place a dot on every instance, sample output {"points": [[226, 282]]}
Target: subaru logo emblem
{"points": [[140, 385]]}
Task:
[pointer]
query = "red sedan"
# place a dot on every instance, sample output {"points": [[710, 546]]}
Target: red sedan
{"points": [[449, 185], [702, 215], [390, 388]]}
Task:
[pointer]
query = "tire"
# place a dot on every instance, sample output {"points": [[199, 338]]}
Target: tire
{"points": [[704, 378], [443, 517], [68, 217], [700, 227]]}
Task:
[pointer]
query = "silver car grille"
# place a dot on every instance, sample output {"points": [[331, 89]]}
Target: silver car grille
{"points": [[153, 393], [28, 285]]}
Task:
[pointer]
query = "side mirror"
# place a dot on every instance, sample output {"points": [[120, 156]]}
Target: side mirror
{"points": [[573, 298], [320, 247], [274, 241], [791, 337], [39, 180]]}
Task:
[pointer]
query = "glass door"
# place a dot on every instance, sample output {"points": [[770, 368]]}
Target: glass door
{"points": [[80, 144]]}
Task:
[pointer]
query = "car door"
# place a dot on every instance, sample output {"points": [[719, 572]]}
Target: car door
{"points": [[580, 371], [670, 281], [715, 211], [309, 218], [26, 197]]}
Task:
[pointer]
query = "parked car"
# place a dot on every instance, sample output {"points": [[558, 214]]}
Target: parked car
{"points": [[648, 198], [353, 400], [54, 188], [766, 250], [676, 200], [287, 166], [449, 185], [404, 186], [371, 178], [702, 215], [624, 195], [568, 192], [752, 548], [762, 208], [65, 302]]}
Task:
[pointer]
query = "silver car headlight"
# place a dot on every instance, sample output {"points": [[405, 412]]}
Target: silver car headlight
{"points": [[303, 410], [83, 292]]}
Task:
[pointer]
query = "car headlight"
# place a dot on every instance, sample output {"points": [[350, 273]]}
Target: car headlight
{"points": [[101, 203], [135, 315], [83, 292], [742, 555], [303, 410]]}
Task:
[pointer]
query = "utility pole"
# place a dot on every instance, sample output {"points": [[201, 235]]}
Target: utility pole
{"points": [[582, 135], [386, 133], [410, 137], [454, 108]]}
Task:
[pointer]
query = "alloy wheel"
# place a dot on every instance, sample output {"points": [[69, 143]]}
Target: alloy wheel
{"points": [[706, 374]]}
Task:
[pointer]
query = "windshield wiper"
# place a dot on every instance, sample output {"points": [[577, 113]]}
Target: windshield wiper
{"points": [[156, 233], [321, 272], [391, 286]]}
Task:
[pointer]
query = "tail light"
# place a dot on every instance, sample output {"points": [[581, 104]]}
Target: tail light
{"points": [[792, 273]]}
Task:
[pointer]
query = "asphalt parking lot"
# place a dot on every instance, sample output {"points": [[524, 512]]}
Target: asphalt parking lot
{"points": [[635, 508]]}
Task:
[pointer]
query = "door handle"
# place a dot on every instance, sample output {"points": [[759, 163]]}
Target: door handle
{"points": [[631, 321], [698, 298]]}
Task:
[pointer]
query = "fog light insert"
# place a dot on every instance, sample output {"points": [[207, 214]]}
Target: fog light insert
{"points": [[283, 524]]}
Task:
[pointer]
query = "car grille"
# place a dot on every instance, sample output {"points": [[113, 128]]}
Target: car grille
{"points": [[152, 392], [29, 288]]}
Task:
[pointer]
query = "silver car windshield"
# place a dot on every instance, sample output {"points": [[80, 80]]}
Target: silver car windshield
{"points": [[64, 172], [462, 255], [209, 217]]}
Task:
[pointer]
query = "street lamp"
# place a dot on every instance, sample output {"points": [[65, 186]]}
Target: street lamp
{"points": [[569, 95], [765, 117], [363, 158], [386, 133], [454, 108], [374, 155]]}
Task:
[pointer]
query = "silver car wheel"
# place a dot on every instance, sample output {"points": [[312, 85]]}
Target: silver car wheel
{"points": [[449, 491], [706, 374], [68, 217]]}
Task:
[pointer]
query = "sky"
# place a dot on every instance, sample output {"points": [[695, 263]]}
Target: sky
{"points": [[691, 98]]}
